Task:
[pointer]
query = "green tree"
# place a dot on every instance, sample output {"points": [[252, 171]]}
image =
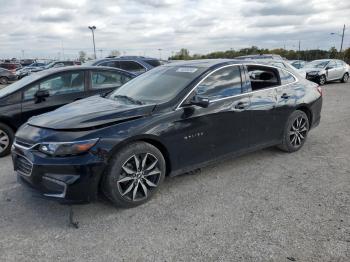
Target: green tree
{"points": [[333, 52], [114, 53]]}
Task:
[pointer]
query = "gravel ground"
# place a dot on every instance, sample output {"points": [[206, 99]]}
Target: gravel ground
{"points": [[264, 206]]}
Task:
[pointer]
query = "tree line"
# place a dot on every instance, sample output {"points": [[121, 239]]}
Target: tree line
{"points": [[307, 55]]}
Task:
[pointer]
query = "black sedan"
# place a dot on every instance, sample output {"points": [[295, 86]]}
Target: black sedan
{"points": [[47, 90], [172, 119]]}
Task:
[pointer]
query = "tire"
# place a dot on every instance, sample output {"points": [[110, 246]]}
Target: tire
{"points": [[123, 185], [345, 78], [322, 80], [6, 139], [295, 132], [4, 80]]}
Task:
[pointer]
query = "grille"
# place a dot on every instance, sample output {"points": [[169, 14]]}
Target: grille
{"points": [[23, 166]]}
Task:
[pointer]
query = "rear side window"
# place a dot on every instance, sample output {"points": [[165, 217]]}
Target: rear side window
{"points": [[111, 64], [132, 66], [223, 83], [286, 78], [106, 79], [262, 77]]}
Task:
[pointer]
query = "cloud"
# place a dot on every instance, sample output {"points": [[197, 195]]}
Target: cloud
{"points": [[135, 27]]}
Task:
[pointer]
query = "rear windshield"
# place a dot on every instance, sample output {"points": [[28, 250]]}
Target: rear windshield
{"points": [[18, 85], [152, 62]]}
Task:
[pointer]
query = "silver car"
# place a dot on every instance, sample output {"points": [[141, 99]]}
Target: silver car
{"points": [[325, 70]]}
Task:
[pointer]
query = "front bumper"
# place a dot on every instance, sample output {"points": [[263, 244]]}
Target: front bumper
{"points": [[66, 179]]}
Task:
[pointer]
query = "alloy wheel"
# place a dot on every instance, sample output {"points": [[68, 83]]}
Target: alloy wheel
{"points": [[322, 80], [140, 174], [4, 141], [298, 131]]}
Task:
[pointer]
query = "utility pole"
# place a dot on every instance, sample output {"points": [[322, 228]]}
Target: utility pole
{"points": [[93, 28], [342, 39], [160, 53], [299, 51]]}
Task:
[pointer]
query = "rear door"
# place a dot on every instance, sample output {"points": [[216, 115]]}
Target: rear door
{"points": [[331, 70], [63, 88]]}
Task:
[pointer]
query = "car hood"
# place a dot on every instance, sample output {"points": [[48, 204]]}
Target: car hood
{"points": [[92, 112], [314, 69]]}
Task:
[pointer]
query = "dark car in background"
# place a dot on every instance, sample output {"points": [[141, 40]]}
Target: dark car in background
{"points": [[47, 90], [167, 121], [11, 66], [6, 76], [325, 70], [134, 64]]}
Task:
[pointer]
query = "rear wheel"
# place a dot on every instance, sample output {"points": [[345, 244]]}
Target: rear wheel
{"points": [[295, 132], [6, 139], [345, 78], [322, 80], [3, 80], [134, 175]]}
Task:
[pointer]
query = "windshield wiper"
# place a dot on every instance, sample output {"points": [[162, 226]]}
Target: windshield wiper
{"points": [[132, 100]]}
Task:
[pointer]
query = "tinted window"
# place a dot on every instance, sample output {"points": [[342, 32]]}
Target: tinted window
{"points": [[132, 66], [100, 79], [110, 64], [58, 85], [223, 83], [286, 78], [152, 62], [160, 84]]}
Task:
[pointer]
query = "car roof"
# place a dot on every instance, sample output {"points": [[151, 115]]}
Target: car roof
{"points": [[73, 68]]}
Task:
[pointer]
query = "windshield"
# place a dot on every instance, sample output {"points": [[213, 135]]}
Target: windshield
{"points": [[18, 85], [317, 64], [158, 85]]}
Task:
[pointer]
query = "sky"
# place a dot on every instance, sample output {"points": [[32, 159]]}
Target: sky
{"points": [[59, 28]]}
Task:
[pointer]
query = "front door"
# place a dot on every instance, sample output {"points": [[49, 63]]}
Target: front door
{"points": [[62, 88], [219, 129]]}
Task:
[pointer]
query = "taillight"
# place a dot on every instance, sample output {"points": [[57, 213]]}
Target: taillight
{"points": [[319, 89]]}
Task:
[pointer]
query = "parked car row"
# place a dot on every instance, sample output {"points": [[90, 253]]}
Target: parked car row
{"points": [[125, 138]]}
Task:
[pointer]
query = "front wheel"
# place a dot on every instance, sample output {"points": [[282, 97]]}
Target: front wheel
{"points": [[345, 78], [322, 80], [6, 139], [3, 81], [295, 132], [134, 175]]}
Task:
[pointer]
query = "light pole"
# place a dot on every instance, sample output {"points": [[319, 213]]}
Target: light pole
{"points": [[93, 28], [160, 53], [342, 38]]}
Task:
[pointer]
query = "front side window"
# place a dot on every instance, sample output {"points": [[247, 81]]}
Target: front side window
{"points": [[331, 65], [106, 79], [61, 84], [286, 78], [132, 66], [223, 83]]}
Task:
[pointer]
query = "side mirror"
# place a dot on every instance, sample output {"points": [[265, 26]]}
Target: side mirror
{"points": [[329, 67], [200, 101], [40, 95]]}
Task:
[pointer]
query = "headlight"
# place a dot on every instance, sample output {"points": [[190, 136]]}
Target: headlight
{"points": [[67, 148]]}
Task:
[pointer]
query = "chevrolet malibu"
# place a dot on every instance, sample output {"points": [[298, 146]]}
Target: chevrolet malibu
{"points": [[170, 120]]}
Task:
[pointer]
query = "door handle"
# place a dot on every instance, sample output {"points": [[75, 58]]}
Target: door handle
{"points": [[241, 105], [285, 96]]}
